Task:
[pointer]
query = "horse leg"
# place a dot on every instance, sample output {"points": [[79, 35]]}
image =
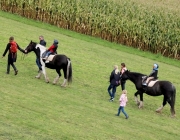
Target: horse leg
{"points": [[45, 76], [65, 77], [57, 78], [163, 104], [136, 98], [141, 100], [39, 74], [171, 103]]}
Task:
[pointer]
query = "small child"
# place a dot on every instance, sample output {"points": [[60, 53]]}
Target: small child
{"points": [[123, 99], [152, 75]]}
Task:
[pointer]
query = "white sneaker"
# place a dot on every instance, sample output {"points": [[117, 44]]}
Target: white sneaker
{"points": [[46, 61]]}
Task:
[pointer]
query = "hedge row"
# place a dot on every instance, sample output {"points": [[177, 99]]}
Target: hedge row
{"points": [[151, 29]]}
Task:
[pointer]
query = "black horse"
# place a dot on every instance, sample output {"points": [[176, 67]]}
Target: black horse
{"points": [[58, 62], [165, 88]]}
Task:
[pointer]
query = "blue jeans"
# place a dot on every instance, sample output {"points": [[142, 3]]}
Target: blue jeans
{"points": [[38, 63], [48, 53], [113, 87], [121, 108]]}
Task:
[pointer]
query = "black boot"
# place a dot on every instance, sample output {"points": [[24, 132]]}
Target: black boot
{"points": [[16, 72]]}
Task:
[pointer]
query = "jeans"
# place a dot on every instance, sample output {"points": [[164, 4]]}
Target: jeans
{"points": [[48, 53], [113, 87], [121, 108], [38, 64]]}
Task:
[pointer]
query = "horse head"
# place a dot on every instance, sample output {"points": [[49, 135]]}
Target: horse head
{"points": [[30, 47], [125, 76]]}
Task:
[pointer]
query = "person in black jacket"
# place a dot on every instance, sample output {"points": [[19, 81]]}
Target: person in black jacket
{"points": [[152, 75], [43, 43], [114, 82], [12, 56]]}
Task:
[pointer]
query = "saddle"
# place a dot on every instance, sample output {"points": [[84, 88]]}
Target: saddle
{"points": [[151, 82], [49, 58]]}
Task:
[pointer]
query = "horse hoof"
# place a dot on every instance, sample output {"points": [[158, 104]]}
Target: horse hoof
{"points": [[37, 77], [63, 85], [138, 103], [158, 111]]}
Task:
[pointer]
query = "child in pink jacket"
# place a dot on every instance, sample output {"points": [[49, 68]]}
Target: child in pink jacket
{"points": [[123, 99]]}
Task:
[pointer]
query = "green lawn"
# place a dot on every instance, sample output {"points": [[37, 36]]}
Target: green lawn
{"points": [[31, 109]]}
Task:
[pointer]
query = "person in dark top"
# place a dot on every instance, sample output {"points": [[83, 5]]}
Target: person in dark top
{"points": [[12, 56], [51, 50], [41, 42], [152, 75], [114, 82], [123, 69]]}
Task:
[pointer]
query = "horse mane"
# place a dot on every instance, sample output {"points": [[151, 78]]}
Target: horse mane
{"points": [[138, 74], [41, 47]]}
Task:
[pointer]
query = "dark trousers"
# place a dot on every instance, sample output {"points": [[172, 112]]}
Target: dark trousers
{"points": [[123, 85], [8, 66], [113, 88], [38, 63]]}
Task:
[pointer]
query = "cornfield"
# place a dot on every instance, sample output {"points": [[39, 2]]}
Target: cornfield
{"points": [[144, 26]]}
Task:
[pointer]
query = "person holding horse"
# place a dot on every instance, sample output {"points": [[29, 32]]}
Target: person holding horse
{"points": [[51, 50], [12, 47], [123, 69], [152, 75], [41, 42], [114, 82]]}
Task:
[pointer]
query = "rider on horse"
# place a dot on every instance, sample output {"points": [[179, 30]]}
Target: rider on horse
{"points": [[52, 49], [152, 75]]}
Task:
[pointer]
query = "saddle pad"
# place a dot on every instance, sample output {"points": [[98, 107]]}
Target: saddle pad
{"points": [[50, 57], [151, 83]]}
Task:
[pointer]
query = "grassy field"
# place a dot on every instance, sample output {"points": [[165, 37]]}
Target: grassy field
{"points": [[31, 109]]}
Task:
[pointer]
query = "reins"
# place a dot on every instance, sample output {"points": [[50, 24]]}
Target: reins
{"points": [[23, 56]]}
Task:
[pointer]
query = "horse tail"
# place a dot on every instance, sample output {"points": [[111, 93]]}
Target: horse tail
{"points": [[174, 96], [173, 99], [69, 71]]}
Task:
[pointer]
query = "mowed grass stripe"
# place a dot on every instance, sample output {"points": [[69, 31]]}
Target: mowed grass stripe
{"points": [[32, 109]]}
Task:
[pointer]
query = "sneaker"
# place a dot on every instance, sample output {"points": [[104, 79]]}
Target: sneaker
{"points": [[116, 115], [127, 117], [144, 84], [16, 72]]}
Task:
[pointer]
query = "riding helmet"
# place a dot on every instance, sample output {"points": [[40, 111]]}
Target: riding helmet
{"points": [[56, 41], [155, 67]]}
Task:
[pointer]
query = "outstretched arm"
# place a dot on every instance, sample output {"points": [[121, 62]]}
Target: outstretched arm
{"points": [[19, 48]]}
